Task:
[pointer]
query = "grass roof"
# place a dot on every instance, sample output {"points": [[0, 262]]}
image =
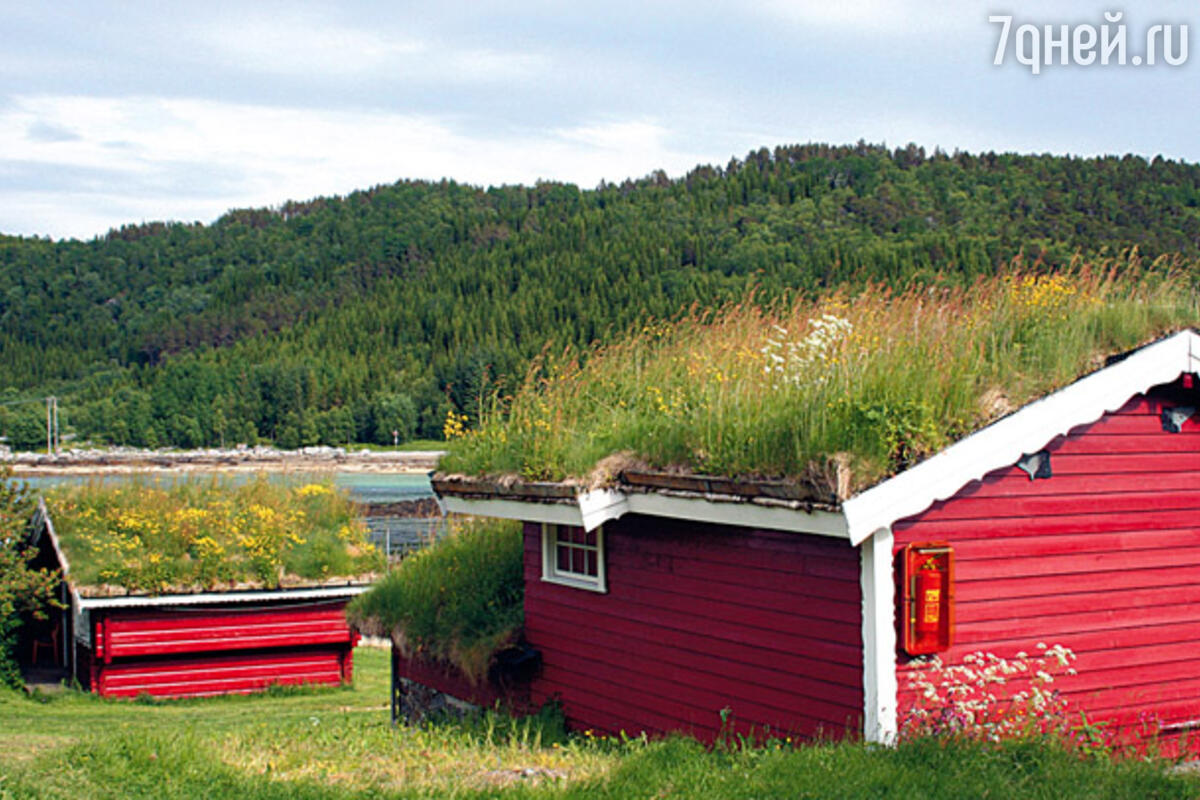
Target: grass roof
{"points": [[861, 384], [209, 534], [458, 601]]}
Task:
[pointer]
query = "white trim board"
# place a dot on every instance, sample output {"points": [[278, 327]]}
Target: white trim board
{"points": [[222, 597], [880, 687], [565, 513], [592, 509], [746, 515]]}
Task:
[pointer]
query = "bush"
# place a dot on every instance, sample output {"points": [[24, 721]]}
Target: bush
{"points": [[459, 601], [22, 590]]}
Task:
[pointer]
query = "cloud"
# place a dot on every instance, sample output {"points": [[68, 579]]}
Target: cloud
{"points": [[874, 17], [44, 132], [155, 158], [311, 46], [302, 45]]}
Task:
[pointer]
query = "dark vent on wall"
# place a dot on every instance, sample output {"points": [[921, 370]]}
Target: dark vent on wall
{"points": [[1173, 418], [1035, 465]]}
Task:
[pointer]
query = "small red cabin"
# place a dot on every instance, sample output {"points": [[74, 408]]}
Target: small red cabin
{"points": [[190, 645], [681, 602]]}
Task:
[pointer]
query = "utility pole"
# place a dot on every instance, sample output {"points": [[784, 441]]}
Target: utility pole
{"points": [[52, 438]]}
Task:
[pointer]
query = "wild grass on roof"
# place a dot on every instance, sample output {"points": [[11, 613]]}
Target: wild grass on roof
{"points": [[208, 534], [873, 381], [458, 601]]}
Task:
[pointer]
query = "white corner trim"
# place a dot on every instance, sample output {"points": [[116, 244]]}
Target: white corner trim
{"points": [[1024, 431], [880, 687], [600, 506]]}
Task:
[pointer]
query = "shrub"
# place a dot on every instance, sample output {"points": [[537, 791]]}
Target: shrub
{"points": [[23, 590], [458, 601]]}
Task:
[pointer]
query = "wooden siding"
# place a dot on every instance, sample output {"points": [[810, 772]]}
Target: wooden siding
{"points": [[223, 674], [1103, 558], [698, 618], [445, 678], [190, 630], [193, 650]]}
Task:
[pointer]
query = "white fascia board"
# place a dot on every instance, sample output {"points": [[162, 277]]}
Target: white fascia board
{"points": [[1025, 431], [313, 593], [592, 509], [880, 686], [746, 515], [565, 513]]}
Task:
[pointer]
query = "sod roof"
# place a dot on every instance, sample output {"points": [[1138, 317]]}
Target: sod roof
{"points": [[208, 536]]}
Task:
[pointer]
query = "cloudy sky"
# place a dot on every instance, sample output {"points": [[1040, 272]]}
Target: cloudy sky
{"points": [[112, 113]]}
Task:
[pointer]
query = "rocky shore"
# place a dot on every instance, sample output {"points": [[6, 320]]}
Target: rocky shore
{"points": [[129, 459]]}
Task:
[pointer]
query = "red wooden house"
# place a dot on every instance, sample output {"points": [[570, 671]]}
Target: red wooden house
{"points": [[188, 645], [666, 602]]}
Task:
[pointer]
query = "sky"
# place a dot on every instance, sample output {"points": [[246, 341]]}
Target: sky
{"points": [[116, 113]]}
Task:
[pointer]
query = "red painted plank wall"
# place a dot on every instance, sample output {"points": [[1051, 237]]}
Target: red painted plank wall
{"points": [[193, 651], [1103, 558], [698, 618], [226, 674], [190, 629]]}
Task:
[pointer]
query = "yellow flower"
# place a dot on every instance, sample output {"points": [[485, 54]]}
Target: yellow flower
{"points": [[455, 425]]}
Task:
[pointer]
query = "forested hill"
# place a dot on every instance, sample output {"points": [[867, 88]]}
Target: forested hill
{"points": [[345, 318]]}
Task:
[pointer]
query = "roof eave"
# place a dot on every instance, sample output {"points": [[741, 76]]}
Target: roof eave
{"points": [[590, 509]]}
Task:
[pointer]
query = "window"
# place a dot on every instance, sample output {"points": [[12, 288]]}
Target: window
{"points": [[573, 557]]}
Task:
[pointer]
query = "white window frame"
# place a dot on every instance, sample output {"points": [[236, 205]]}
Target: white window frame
{"points": [[552, 574]]}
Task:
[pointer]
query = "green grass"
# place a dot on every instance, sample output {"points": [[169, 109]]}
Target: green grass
{"points": [[206, 533], [861, 385], [413, 445], [337, 743], [459, 600]]}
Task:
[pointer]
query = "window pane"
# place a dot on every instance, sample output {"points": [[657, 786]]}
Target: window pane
{"points": [[576, 560], [563, 561], [590, 539], [589, 563]]}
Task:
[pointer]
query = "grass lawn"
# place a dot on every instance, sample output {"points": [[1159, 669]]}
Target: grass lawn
{"points": [[409, 446], [338, 744]]}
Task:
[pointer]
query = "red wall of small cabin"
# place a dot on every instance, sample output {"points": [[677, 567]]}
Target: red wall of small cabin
{"points": [[1103, 558], [698, 618], [191, 651]]}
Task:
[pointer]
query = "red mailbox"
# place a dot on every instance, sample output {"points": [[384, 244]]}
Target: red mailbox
{"points": [[927, 597]]}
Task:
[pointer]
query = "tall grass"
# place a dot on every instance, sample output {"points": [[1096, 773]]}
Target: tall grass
{"points": [[873, 381], [338, 744], [206, 533], [458, 601]]}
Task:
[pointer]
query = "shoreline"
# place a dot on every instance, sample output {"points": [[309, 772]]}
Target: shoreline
{"points": [[257, 459]]}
